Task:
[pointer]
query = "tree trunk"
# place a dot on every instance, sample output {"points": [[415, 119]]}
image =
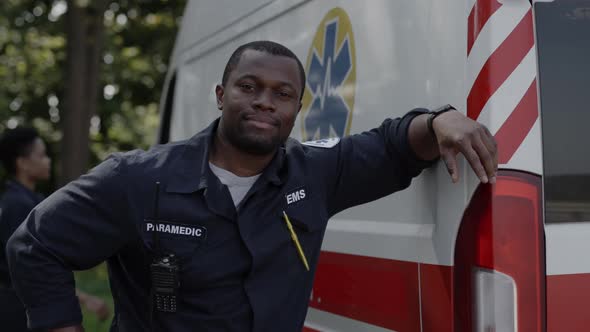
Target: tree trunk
{"points": [[94, 45], [84, 31], [74, 143]]}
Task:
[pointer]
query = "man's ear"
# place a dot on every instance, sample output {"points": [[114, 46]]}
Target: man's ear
{"points": [[219, 96]]}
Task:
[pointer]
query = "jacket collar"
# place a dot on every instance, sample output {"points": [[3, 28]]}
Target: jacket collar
{"points": [[19, 187], [190, 172]]}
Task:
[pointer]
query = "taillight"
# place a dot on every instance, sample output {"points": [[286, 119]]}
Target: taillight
{"points": [[499, 272]]}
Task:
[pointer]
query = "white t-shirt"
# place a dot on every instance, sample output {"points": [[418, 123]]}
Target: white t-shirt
{"points": [[238, 185]]}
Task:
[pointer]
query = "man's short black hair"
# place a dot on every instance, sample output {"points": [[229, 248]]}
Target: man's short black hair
{"points": [[262, 46], [15, 143]]}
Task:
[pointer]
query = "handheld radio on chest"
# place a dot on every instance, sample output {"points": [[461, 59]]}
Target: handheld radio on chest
{"points": [[164, 269]]}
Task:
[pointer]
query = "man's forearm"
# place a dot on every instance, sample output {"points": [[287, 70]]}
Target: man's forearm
{"points": [[421, 139]]}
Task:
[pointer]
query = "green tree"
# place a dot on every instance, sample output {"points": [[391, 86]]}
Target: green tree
{"points": [[87, 74]]}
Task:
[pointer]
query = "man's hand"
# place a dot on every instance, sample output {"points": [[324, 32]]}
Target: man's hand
{"points": [[94, 304], [456, 133], [98, 307]]}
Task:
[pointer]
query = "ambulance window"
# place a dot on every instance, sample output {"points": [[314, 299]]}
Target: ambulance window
{"points": [[563, 48]]}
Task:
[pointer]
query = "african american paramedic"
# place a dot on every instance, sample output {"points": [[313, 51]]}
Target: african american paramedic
{"points": [[225, 196]]}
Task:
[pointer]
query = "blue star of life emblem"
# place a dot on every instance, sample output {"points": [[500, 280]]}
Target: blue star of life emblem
{"points": [[329, 112]]}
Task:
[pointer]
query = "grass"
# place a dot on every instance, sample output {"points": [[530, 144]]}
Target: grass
{"points": [[96, 282]]}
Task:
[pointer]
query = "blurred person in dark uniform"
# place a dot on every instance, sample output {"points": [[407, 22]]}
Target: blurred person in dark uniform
{"points": [[24, 157], [25, 160]]}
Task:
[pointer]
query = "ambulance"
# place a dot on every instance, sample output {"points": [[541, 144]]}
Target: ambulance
{"points": [[513, 256]]}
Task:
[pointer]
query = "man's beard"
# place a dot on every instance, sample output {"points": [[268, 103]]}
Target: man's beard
{"points": [[252, 143]]}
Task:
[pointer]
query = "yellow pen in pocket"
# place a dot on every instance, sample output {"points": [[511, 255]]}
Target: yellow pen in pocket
{"points": [[296, 241]]}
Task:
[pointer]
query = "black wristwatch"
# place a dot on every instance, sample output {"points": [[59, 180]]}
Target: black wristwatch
{"points": [[434, 113]]}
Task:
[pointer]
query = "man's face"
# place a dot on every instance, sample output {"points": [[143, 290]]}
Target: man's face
{"points": [[259, 102]]}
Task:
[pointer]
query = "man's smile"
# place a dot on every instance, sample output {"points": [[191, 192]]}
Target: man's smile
{"points": [[261, 121]]}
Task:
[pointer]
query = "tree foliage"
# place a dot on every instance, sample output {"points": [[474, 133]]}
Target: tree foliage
{"points": [[138, 39]]}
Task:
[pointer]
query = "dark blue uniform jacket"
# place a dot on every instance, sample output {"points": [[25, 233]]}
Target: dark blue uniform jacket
{"points": [[240, 270], [15, 204]]}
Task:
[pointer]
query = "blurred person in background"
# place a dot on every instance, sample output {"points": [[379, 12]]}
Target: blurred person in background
{"points": [[24, 157]]}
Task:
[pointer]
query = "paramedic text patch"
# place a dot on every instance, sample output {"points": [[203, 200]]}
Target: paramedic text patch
{"points": [[176, 229]]}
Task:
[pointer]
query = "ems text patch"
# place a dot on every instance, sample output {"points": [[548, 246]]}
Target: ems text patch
{"points": [[296, 196]]}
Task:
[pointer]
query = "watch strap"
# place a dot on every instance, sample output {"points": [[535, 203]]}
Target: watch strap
{"points": [[434, 113]]}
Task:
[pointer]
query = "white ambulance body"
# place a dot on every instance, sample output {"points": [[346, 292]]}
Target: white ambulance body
{"points": [[438, 256]]}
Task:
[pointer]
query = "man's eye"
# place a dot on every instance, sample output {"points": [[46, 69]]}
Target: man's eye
{"points": [[283, 94], [247, 87]]}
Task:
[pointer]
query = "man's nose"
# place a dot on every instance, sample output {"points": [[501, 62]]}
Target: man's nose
{"points": [[264, 101]]}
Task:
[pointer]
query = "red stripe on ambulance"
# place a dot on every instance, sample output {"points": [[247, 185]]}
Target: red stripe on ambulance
{"points": [[384, 292], [436, 289], [513, 132], [480, 13], [568, 300], [377, 291]]}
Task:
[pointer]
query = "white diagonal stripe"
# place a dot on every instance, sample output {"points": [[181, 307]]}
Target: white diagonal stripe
{"points": [[495, 31], [503, 102], [528, 156]]}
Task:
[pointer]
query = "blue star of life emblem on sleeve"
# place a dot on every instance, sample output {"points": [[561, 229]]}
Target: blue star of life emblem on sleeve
{"points": [[329, 111]]}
